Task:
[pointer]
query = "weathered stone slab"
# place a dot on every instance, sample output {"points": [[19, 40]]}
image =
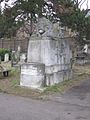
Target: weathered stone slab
{"points": [[32, 75]]}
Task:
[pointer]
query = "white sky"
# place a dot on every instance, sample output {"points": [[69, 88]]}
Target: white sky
{"points": [[84, 6]]}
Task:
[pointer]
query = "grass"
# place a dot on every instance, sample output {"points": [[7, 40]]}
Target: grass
{"points": [[10, 84]]}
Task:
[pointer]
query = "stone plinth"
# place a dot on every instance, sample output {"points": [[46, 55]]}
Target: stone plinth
{"points": [[32, 75]]}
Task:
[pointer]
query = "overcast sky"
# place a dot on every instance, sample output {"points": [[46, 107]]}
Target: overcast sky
{"points": [[84, 6]]}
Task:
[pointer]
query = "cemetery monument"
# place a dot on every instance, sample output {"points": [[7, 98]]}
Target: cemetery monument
{"points": [[49, 56]]}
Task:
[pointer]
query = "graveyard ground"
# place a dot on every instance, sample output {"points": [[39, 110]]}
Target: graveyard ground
{"points": [[10, 84]]}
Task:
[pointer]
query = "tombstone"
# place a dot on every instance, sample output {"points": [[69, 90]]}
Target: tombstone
{"points": [[13, 58], [19, 49], [6, 57], [18, 54], [22, 58], [85, 48], [47, 47]]}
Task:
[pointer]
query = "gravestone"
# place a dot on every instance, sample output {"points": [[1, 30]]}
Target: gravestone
{"points": [[22, 58], [85, 48], [19, 49], [6, 57], [47, 46], [13, 58]]}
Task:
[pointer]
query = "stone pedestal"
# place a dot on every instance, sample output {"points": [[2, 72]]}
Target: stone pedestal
{"points": [[32, 75]]}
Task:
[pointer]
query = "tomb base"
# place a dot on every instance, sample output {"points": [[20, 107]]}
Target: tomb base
{"points": [[32, 75], [37, 75]]}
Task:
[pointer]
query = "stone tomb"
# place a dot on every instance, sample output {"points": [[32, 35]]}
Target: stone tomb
{"points": [[49, 56]]}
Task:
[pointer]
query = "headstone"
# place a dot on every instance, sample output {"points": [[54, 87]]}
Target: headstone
{"points": [[22, 58], [18, 54], [19, 49], [13, 58], [85, 48], [6, 57]]}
